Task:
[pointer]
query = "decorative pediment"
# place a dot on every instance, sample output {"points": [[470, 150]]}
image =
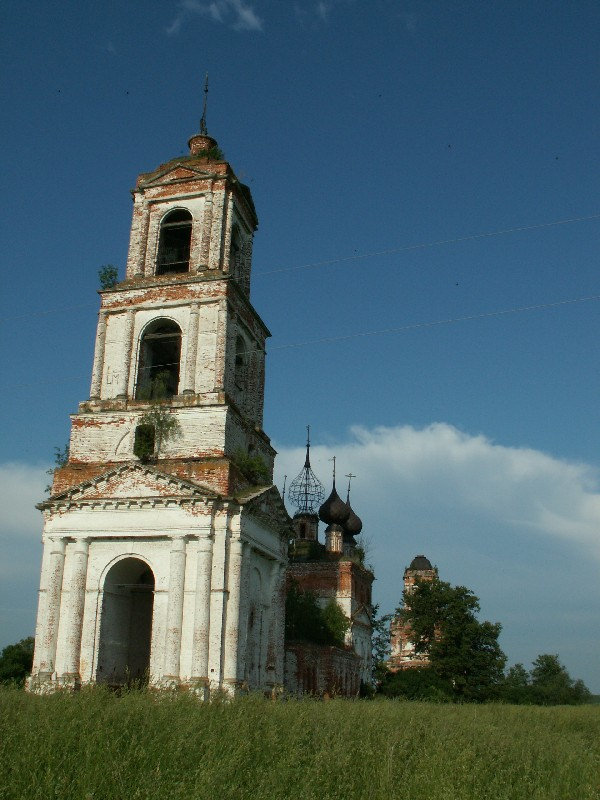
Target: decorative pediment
{"points": [[268, 507], [176, 172], [361, 617], [131, 482]]}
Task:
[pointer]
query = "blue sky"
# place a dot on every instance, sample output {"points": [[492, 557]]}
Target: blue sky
{"points": [[379, 140]]}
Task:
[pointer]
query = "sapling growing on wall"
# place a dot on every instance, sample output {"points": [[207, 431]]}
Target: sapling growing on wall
{"points": [[61, 457], [158, 424], [108, 275]]}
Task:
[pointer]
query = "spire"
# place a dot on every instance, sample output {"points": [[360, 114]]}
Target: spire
{"points": [[306, 490], [201, 142], [203, 128]]}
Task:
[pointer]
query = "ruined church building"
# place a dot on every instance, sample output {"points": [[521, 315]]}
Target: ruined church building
{"points": [[163, 558]]}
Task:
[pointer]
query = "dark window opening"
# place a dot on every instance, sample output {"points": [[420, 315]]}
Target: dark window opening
{"points": [[235, 253], [174, 243], [303, 530], [143, 445], [158, 371], [241, 362]]}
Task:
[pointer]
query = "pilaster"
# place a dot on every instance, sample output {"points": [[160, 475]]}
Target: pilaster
{"points": [[174, 610]]}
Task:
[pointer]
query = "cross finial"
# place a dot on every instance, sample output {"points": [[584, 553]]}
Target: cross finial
{"points": [[349, 476], [203, 129], [333, 459], [284, 482]]}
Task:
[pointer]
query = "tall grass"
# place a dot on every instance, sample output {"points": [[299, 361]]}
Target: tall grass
{"points": [[96, 746]]}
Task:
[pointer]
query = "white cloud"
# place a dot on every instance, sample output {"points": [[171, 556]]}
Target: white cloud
{"points": [[21, 487], [519, 527], [442, 471], [237, 14]]}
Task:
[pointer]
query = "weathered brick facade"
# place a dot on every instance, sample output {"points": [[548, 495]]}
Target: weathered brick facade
{"points": [[170, 569]]}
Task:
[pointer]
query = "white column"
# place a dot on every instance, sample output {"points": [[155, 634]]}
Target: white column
{"points": [[143, 240], [202, 610], [206, 231], [98, 357], [215, 256], [77, 572], [232, 620], [50, 609], [189, 382], [218, 595], [245, 605], [126, 362], [174, 609], [220, 359]]}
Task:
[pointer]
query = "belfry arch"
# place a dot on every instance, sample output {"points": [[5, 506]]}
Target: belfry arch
{"points": [[159, 357], [174, 242], [126, 611]]}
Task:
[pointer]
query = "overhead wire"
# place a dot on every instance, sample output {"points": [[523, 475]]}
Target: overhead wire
{"points": [[436, 243], [358, 256], [378, 332]]}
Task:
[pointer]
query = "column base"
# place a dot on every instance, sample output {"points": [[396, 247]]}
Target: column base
{"points": [[41, 683], [200, 687], [70, 680], [169, 682]]}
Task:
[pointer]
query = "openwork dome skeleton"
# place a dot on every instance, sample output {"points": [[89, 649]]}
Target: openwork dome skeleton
{"points": [[306, 490]]}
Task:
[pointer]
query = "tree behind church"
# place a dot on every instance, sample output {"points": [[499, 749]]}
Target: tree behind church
{"points": [[465, 659]]}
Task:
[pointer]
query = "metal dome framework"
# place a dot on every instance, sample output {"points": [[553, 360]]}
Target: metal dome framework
{"points": [[306, 490]]}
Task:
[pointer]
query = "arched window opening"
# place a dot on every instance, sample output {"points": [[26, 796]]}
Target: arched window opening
{"points": [[241, 362], [235, 253], [174, 242], [158, 370], [144, 442]]}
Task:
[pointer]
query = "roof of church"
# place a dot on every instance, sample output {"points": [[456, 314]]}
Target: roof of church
{"points": [[420, 562]]}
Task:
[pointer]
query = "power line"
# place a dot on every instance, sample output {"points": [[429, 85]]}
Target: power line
{"points": [[356, 257], [416, 325], [379, 332], [436, 243]]}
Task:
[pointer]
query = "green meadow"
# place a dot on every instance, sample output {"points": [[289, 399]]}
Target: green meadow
{"points": [[95, 745]]}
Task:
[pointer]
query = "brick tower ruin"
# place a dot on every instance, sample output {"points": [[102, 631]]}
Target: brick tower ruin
{"points": [[403, 654], [165, 542]]}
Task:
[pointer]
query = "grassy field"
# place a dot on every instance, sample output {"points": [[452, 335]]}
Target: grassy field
{"points": [[97, 746]]}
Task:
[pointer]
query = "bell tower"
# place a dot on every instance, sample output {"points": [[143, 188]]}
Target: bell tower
{"points": [[180, 328], [165, 542]]}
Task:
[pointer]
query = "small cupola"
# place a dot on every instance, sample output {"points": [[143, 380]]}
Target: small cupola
{"points": [[201, 143]]}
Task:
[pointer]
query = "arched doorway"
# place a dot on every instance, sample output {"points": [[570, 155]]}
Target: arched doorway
{"points": [[126, 623]]}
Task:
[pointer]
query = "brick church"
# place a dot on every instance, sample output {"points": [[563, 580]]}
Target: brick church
{"points": [[165, 552]]}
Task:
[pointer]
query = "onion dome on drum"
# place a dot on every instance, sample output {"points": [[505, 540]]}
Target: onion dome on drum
{"points": [[353, 525], [334, 511]]}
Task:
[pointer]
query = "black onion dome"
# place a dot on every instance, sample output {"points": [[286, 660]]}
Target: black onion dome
{"points": [[334, 511], [420, 562], [353, 524]]}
